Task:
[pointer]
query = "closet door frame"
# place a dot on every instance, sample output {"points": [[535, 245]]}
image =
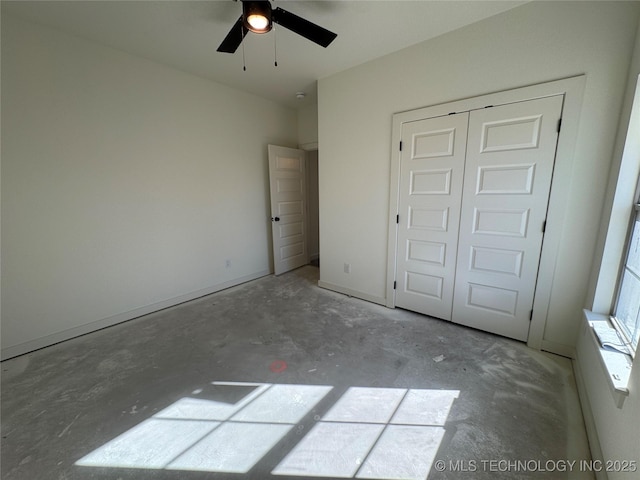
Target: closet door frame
{"points": [[572, 88]]}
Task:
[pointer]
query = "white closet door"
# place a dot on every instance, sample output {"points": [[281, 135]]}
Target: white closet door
{"points": [[509, 165], [431, 174]]}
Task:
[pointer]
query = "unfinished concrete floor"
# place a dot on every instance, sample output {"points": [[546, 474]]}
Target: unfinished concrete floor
{"points": [[309, 383]]}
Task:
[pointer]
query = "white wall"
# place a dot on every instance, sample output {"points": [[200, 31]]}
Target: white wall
{"points": [[126, 185], [615, 432], [534, 43], [308, 126]]}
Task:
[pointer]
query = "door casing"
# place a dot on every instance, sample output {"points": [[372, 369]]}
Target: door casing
{"points": [[572, 88]]}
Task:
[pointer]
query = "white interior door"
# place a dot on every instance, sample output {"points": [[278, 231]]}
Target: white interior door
{"points": [[287, 180], [431, 175], [508, 170]]}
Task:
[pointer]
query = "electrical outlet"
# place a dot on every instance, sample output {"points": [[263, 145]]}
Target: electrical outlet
{"points": [[347, 268]]}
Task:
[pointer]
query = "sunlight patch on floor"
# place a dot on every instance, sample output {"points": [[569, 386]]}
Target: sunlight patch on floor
{"points": [[377, 433]]}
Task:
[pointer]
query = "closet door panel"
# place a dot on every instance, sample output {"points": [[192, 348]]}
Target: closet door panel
{"points": [[507, 180], [431, 175]]}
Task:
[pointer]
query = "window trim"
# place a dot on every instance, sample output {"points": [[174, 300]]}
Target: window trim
{"points": [[618, 325]]}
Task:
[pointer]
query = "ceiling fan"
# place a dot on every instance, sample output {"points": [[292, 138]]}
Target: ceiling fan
{"points": [[257, 17]]}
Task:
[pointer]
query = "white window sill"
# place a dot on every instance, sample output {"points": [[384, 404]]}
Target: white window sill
{"points": [[617, 365]]}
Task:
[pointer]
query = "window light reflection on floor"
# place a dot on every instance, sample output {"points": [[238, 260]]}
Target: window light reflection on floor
{"points": [[376, 433]]}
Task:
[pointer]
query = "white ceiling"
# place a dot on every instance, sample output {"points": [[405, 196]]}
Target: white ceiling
{"points": [[185, 34]]}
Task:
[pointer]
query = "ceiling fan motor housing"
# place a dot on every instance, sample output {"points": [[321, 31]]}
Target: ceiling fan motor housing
{"points": [[257, 16]]}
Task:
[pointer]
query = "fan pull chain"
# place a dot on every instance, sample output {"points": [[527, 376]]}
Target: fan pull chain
{"points": [[244, 64], [275, 45]]}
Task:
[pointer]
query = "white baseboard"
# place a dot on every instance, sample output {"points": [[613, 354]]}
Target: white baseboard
{"points": [[589, 422], [558, 349], [353, 293], [48, 340]]}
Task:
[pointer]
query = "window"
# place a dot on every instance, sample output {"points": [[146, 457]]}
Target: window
{"points": [[627, 309]]}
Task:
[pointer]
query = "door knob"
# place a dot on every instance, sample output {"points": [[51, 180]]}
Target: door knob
{"points": [[275, 219]]}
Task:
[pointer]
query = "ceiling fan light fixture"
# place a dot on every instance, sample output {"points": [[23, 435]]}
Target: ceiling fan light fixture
{"points": [[257, 16]]}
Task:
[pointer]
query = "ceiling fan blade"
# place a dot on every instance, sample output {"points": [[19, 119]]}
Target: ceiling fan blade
{"points": [[234, 38], [303, 27]]}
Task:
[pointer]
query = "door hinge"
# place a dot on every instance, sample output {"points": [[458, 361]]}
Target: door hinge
{"points": [[559, 124], [531, 315], [400, 145], [395, 284], [544, 226], [398, 218]]}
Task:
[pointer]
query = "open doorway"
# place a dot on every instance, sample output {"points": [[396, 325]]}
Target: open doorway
{"points": [[313, 226]]}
